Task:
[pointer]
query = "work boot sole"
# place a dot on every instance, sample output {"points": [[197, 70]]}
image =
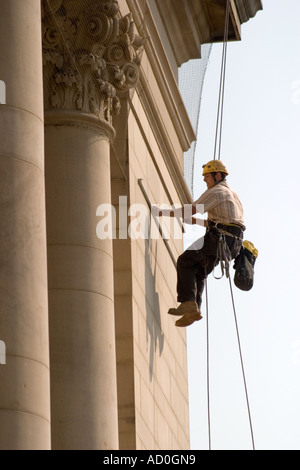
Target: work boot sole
{"points": [[188, 319]]}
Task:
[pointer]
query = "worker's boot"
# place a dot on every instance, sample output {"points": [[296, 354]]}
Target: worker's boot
{"points": [[188, 319], [189, 312], [185, 307]]}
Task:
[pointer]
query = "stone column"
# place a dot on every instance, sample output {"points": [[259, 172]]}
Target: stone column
{"points": [[24, 378], [90, 53]]}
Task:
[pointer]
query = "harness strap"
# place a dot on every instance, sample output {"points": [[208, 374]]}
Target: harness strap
{"points": [[236, 232], [224, 232]]}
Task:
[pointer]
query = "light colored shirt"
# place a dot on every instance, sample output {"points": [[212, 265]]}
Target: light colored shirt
{"points": [[222, 205]]}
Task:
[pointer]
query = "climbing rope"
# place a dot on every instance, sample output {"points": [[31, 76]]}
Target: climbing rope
{"points": [[207, 368], [242, 363], [220, 112], [223, 252]]}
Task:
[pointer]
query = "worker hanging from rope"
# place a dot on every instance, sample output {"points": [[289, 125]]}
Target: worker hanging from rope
{"points": [[225, 224]]}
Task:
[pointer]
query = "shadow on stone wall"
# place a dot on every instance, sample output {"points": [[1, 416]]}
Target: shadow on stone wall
{"points": [[154, 334]]}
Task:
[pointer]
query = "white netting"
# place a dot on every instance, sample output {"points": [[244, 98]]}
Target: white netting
{"points": [[191, 79]]}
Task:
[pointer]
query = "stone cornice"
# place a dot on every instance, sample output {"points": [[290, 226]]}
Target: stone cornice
{"points": [[196, 22], [248, 8], [90, 53]]}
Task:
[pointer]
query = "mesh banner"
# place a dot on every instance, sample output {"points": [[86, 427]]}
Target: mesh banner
{"points": [[191, 79]]}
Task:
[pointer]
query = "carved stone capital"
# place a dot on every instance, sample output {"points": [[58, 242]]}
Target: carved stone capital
{"points": [[90, 53]]}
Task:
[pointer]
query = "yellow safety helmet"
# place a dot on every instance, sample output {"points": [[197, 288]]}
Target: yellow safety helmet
{"points": [[213, 167]]}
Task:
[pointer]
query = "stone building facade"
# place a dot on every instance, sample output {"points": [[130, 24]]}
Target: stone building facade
{"points": [[92, 132]]}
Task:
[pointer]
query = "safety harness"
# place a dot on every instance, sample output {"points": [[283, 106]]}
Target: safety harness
{"points": [[244, 261], [223, 253]]}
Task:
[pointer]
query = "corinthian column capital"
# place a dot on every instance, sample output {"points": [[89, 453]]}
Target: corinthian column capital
{"points": [[90, 53]]}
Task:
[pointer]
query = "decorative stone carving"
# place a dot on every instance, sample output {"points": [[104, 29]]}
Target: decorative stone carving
{"points": [[90, 53]]}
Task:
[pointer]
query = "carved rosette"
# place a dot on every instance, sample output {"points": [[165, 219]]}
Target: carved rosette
{"points": [[90, 53]]}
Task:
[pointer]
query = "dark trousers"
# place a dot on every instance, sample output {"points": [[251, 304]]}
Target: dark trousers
{"points": [[199, 260]]}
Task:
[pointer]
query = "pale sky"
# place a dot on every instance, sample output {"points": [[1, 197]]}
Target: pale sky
{"points": [[261, 148]]}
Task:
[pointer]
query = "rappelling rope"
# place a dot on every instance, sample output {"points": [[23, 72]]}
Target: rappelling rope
{"points": [[219, 125], [242, 363], [223, 252], [207, 368], [222, 255]]}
